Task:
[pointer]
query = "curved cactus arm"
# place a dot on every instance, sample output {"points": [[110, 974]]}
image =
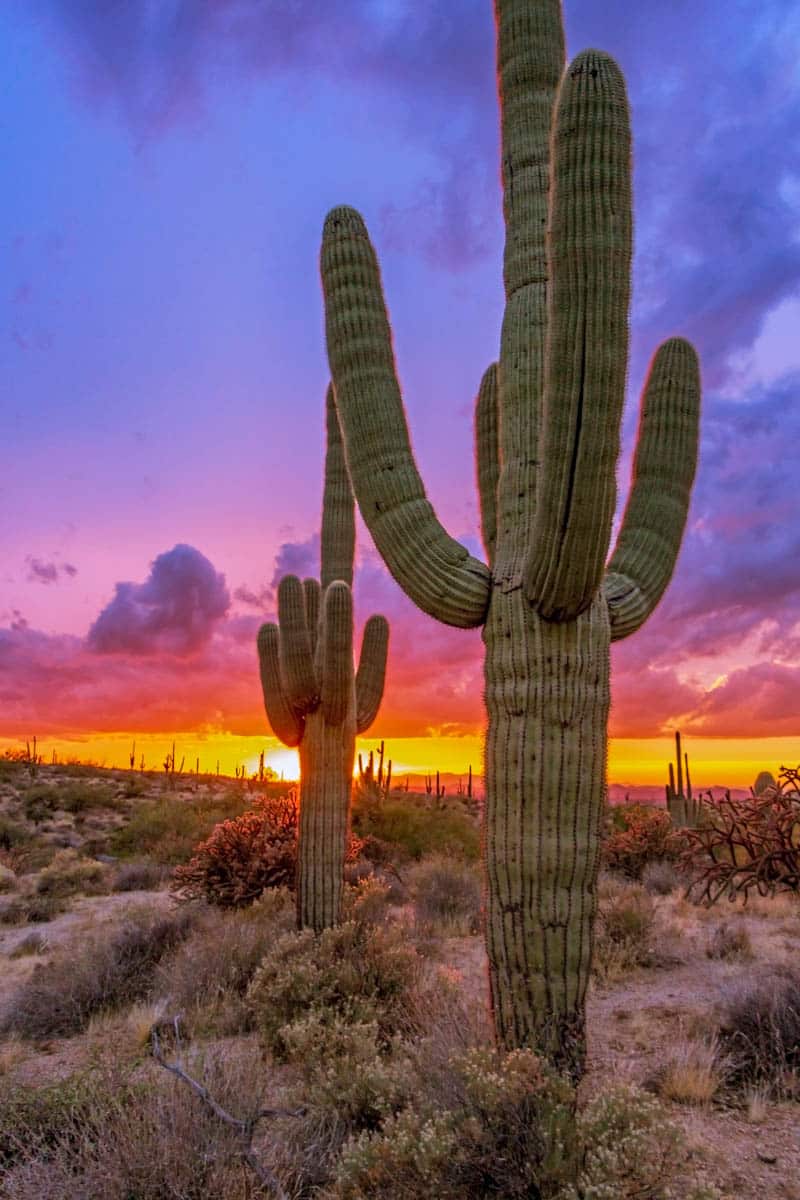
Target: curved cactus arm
{"points": [[663, 471], [589, 257], [311, 598], [371, 672], [338, 539], [285, 722], [487, 457], [296, 659], [438, 573], [337, 652]]}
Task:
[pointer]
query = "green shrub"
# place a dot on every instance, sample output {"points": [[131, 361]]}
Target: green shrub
{"points": [[112, 970], [415, 830], [36, 1118], [168, 830], [356, 972], [32, 910]]}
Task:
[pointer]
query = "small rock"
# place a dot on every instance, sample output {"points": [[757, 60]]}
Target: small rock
{"points": [[766, 1158]]}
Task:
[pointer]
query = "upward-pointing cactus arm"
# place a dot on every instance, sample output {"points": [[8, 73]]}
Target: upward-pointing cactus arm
{"points": [[487, 457], [296, 659], [438, 573], [589, 256], [311, 596], [285, 722], [338, 538], [371, 671], [663, 471], [337, 652]]}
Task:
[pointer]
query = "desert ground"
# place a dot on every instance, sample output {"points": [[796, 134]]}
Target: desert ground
{"points": [[98, 951]]}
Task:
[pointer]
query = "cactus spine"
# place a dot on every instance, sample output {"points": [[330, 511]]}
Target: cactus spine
{"points": [[547, 431], [314, 699]]}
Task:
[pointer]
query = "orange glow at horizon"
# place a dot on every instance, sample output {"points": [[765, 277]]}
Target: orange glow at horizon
{"points": [[714, 762]]}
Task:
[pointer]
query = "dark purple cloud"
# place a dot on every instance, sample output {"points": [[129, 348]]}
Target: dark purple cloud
{"points": [[175, 611], [48, 572]]}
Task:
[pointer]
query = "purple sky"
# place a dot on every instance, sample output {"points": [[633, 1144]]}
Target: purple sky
{"points": [[167, 168]]}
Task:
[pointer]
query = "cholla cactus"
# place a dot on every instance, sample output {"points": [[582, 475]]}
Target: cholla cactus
{"points": [[547, 428], [313, 698]]}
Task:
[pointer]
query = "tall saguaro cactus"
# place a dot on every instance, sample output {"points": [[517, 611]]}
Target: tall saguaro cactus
{"points": [[547, 422], [313, 697]]}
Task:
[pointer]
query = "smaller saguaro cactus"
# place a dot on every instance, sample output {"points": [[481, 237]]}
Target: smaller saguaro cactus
{"points": [[685, 811], [314, 698]]}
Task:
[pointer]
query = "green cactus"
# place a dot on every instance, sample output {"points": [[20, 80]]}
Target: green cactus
{"points": [[313, 698], [685, 811], [764, 780], [547, 429]]}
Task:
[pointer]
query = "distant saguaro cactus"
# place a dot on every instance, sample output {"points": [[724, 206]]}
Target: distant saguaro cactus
{"points": [[547, 421], [314, 699], [684, 809]]}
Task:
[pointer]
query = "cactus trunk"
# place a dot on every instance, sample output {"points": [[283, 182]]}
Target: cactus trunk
{"points": [[326, 770], [547, 698]]}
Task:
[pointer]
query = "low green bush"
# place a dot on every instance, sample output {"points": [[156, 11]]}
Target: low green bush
{"points": [[167, 830], [416, 830]]}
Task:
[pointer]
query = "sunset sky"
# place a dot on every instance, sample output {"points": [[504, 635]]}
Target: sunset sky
{"points": [[167, 168]]}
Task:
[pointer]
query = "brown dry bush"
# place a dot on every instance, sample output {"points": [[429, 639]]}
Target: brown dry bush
{"points": [[139, 877], [760, 1033], [624, 933], [108, 1137], [113, 969], [69, 874], [729, 942], [447, 895], [206, 977]]}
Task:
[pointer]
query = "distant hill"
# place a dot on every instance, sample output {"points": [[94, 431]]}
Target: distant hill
{"points": [[641, 793]]}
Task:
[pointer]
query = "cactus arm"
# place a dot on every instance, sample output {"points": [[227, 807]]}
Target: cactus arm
{"points": [[338, 538], [337, 652], [371, 671], [589, 257], [296, 659], [487, 457], [285, 722], [663, 471], [311, 597], [438, 573]]}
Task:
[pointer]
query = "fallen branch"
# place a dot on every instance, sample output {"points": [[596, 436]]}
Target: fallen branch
{"points": [[245, 1128]]}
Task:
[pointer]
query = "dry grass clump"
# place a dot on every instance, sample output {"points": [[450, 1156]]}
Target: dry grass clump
{"points": [[693, 1072], [70, 874], [32, 943], [113, 969], [760, 1033], [139, 877], [625, 929], [105, 1136], [32, 910], [661, 877], [447, 896], [207, 976], [729, 942]]}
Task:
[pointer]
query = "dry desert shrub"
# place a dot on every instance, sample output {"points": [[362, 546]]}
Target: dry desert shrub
{"points": [[32, 910], [113, 969], [729, 942], [70, 874], [638, 834], [206, 977], [139, 877], [661, 877], [106, 1136], [625, 929], [693, 1073], [447, 896], [32, 943], [760, 1033]]}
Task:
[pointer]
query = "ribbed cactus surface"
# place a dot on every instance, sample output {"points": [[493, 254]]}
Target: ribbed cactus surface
{"points": [[314, 698], [547, 425]]}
